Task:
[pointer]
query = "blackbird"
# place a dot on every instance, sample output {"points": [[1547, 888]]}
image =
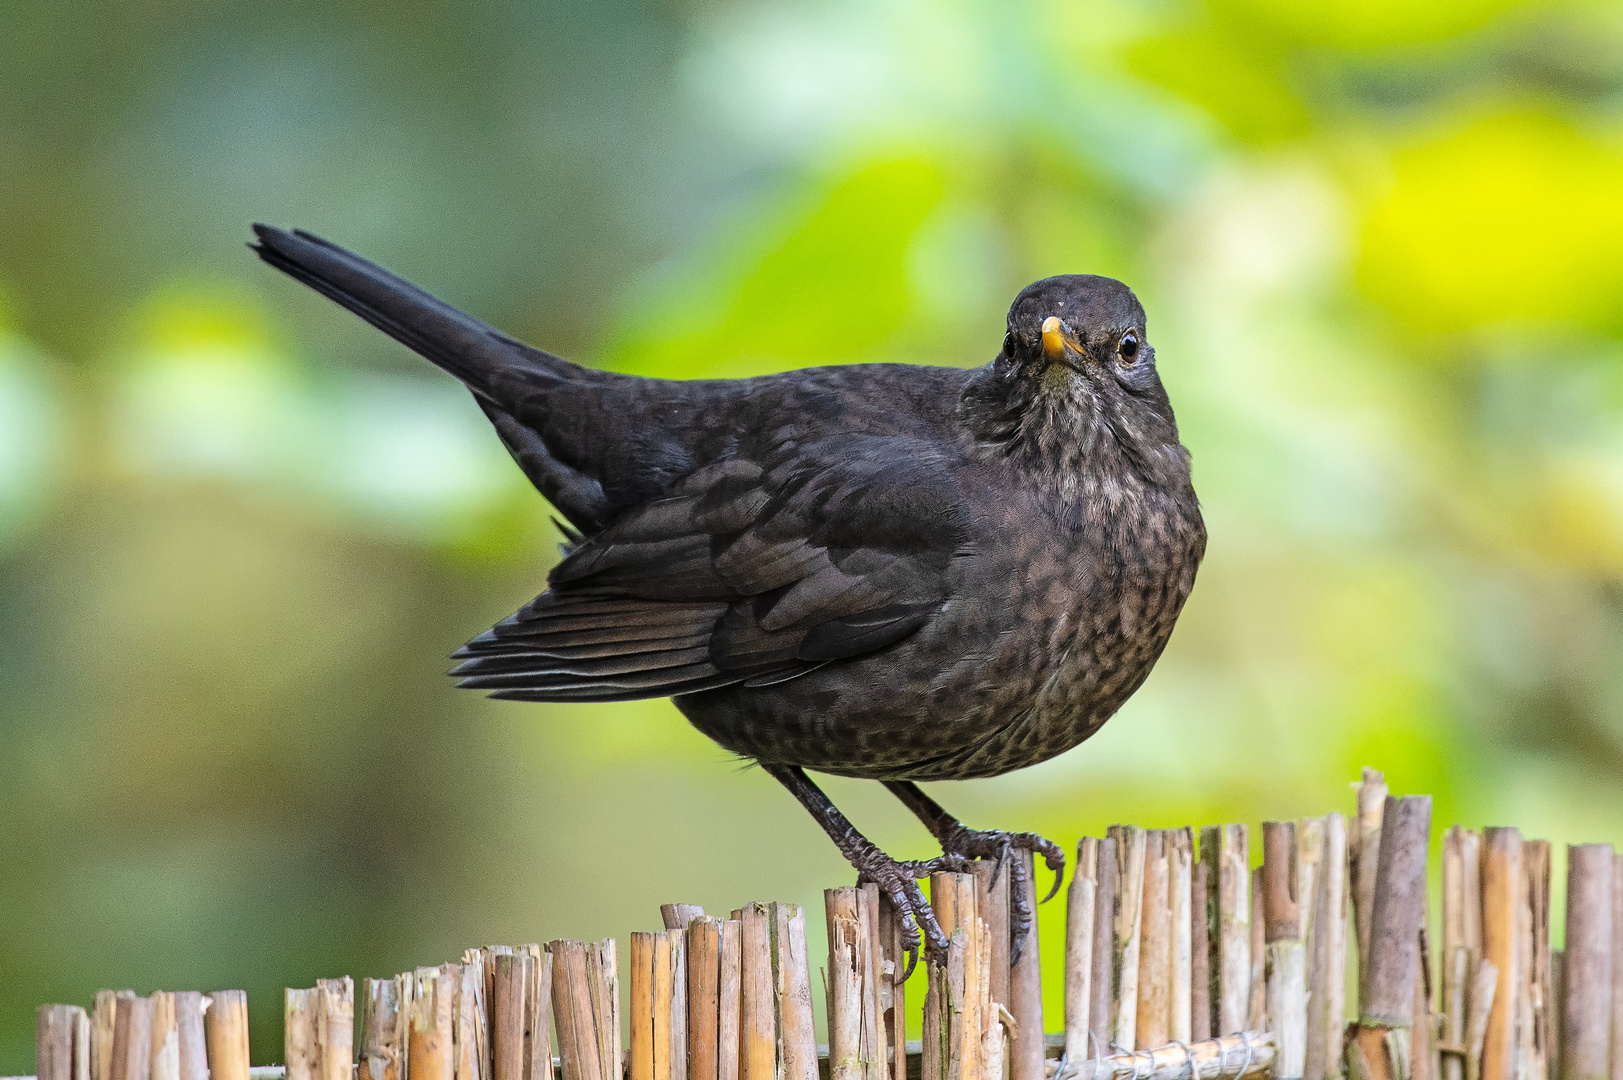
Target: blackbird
{"points": [[888, 571]]}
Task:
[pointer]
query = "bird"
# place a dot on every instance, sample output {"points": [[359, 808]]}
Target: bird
{"points": [[897, 572]]}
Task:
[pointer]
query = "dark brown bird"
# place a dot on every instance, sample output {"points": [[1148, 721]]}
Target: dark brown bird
{"points": [[883, 570]]}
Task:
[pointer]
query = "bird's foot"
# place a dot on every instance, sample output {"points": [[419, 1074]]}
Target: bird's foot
{"points": [[899, 881], [965, 843]]}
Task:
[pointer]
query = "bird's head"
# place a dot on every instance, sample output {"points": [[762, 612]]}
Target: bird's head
{"points": [[1076, 379]]}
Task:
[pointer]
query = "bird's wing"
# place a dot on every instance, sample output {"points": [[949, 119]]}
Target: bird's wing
{"points": [[743, 572]]}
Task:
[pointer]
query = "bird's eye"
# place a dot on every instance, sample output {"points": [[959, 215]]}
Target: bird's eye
{"points": [[1008, 344], [1127, 348]]}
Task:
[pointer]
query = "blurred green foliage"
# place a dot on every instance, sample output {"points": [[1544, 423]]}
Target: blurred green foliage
{"points": [[1381, 244]]}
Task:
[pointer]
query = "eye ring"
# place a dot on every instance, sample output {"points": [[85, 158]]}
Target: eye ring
{"points": [[1127, 348]]}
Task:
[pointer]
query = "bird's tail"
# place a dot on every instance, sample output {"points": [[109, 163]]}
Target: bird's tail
{"points": [[473, 351]]}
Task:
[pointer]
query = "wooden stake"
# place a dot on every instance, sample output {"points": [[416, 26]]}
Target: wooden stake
{"points": [[1503, 886], [1180, 902], [1365, 844], [1200, 955], [728, 1005], [1025, 995], [1225, 849], [225, 1028], [301, 1044], [1587, 1004], [1101, 1014], [1153, 1012], [1127, 917], [1079, 907], [165, 1037]]}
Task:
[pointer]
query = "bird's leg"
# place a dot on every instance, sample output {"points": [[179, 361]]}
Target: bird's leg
{"points": [[958, 840], [896, 879]]}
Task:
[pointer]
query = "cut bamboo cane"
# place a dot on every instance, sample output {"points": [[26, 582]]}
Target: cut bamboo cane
{"points": [[510, 983], [573, 1013], [225, 1027], [57, 1039], [1154, 1009], [1079, 907], [1399, 911], [894, 990], [430, 1003], [1126, 922], [728, 1003], [1586, 1027], [663, 990], [1484, 983], [538, 1015], [381, 1031], [1536, 863], [704, 1013], [1200, 955], [792, 977], [470, 1038], [1180, 863], [1309, 869], [603, 975], [1365, 854], [165, 1038], [132, 1058], [876, 1064], [335, 1027], [1101, 1017], [758, 1050], [1025, 1057], [993, 904], [103, 1021], [1616, 1070], [1286, 972], [678, 917], [1248, 1054], [1558, 991], [191, 1042], [1225, 849], [640, 1006], [301, 1045], [846, 975], [1257, 1002], [1456, 960], [1327, 990], [1503, 885], [952, 1029], [81, 1047]]}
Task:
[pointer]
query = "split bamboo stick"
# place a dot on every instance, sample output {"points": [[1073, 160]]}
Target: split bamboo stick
{"points": [[1616, 1069], [1586, 1011], [876, 1064], [225, 1027], [1484, 983], [758, 1053], [640, 1006], [1079, 907], [431, 999], [1101, 1017], [1365, 853], [846, 976], [165, 1048], [103, 1020], [1154, 1009], [1309, 870], [1025, 1058], [132, 1057], [728, 1003], [301, 1044], [1286, 972], [1127, 916], [81, 1046], [1180, 882], [335, 1027], [572, 1010], [1200, 955], [192, 1058], [792, 977], [993, 904], [1327, 993], [603, 971], [1456, 961], [1381, 1047], [664, 1028], [511, 976], [1225, 850], [470, 1028], [382, 1032], [704, 1010], [678, 917]]}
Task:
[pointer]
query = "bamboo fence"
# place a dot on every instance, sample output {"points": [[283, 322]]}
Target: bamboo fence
{"points": [[1182, 961]]}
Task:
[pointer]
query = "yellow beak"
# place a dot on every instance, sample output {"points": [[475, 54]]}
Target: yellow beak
{"points": [[1056, 336]]}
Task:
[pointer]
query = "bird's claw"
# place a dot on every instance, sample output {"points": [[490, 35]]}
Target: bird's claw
{"points": [[899, 882], [994, 844]]}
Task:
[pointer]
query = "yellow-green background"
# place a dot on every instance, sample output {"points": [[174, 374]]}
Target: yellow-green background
{"points": [[1381, 245]]}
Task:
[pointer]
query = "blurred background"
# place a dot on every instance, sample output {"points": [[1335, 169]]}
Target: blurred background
{"points": [[1381, 244]]}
